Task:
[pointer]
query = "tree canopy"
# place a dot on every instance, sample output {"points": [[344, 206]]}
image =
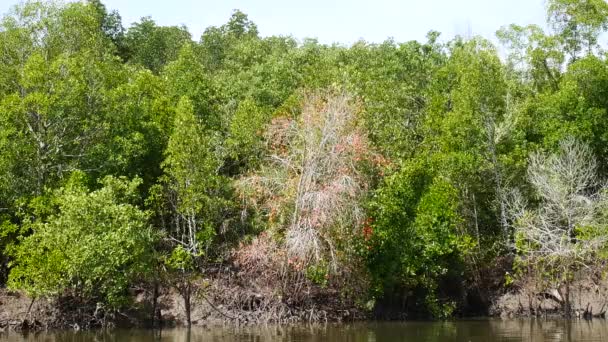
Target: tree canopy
{"points": [[389, 170]]}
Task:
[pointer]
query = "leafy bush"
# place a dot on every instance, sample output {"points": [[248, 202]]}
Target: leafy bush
{"points": [[97, 244], [417, 239]]}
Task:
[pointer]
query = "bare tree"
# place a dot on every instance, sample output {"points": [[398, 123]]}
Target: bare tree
{"points": [[313, 180], [570, 198]]}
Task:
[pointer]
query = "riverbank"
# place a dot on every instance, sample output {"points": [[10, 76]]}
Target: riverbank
{"points": [[588, 299], [227, 298], [20, 313], [216, 301]]}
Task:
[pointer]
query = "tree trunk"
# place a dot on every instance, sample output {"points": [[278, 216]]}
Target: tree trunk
{"points": [[567, 301], [566, 305], [156, 315], [187, 303], [492, 149]]}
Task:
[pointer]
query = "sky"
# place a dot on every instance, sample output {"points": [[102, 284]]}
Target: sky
{"points": [[339, 21]]}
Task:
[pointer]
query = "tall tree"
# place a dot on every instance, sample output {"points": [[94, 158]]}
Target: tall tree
{"points": [[154, 46], [194, 201], [579, 23], [192, 163]]}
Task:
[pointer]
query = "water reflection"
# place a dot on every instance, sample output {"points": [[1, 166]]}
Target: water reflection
{"points": [[472, 330]]}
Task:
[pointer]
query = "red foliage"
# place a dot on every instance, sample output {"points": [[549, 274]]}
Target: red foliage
{"points": [[368, 231]]}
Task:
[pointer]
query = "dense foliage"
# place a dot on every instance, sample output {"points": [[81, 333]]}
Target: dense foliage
{"points": [[395, 171]]}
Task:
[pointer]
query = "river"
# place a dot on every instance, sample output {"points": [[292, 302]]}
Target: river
{"points": [[465, 330]]}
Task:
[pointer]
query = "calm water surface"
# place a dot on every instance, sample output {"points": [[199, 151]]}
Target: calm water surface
{"points": [[476, 330]]}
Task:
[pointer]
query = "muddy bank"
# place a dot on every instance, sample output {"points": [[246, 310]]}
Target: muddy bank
{"points": [[17, 312], [247, 296], [224, 304], [216, 301], [588, 299], [22, 313]]}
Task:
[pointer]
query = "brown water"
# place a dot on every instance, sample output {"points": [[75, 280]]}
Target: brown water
{"points": [[473, 331]]}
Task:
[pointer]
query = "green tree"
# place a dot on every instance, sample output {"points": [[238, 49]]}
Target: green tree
{"points": [[96, 245], [186, 76], [192, 197], [577, 109], [418, 240], [394, 82], [245, 141], [192, 163], [579, 23], [139, 116], [154, 46], [217, 42], [471, 130]]}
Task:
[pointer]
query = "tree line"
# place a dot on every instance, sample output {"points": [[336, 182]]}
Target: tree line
{"points": [[385, 171]]}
